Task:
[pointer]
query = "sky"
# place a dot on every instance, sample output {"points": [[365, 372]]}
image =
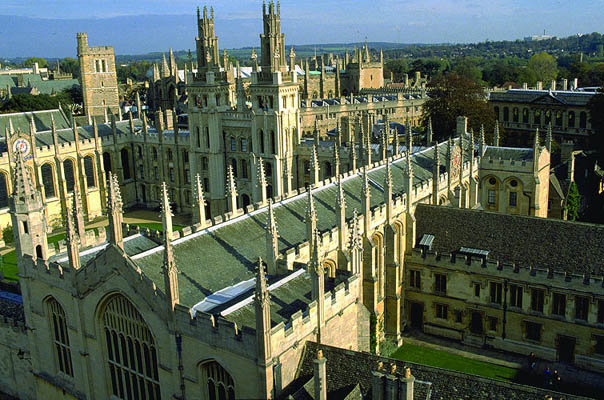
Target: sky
{"points": [[47, 28]]}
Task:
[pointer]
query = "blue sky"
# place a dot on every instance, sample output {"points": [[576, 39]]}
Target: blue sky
{"points": [[238, 23]]}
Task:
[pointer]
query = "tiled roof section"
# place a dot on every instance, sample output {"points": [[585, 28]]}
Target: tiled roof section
{"points": [[508, 153], [11, 310], [84, 132], [222, 256], [41, 120], [287, 299], [346, 368], [527, 241], [574, 98]]}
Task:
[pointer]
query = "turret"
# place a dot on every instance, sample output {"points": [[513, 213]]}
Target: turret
{"points": [[27, 214], [199, 203], [231, 190], [314, 166], [311, 217], [272, 42], [207, 44], [355, 246], [261, 176], [262, 305]]}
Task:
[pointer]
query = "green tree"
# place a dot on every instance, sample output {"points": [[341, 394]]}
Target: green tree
{"points": [[468, 69], [42, 63], [71, 65], [451, 96], [544, 66], [573, 202], [596, 112]]}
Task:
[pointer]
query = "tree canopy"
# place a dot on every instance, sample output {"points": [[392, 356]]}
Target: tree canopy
{"points": [[544, 66], [451, 96], [22, 102], [42, 63]]}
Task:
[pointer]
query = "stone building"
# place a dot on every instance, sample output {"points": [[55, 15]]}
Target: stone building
{"points": [[98, 78]]}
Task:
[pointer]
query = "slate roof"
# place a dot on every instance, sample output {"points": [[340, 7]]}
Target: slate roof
{"points": [[567, 97], [527, 241], [226, 254], [41, 120], [508, 153], [346, 369]]}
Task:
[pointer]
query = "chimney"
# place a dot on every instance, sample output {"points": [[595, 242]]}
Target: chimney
{"points": [[462, 126], [553, 85], [539, 85], [564, 84], [320, 377], [576, 83], [525, 85], [407, 382]]}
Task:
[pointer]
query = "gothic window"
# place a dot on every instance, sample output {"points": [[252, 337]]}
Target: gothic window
{"points": [[141, 169], [583, 119], [185, 156], [548, 117], [156, 173], [496, 292], [378, 242], [234, 165], [155, 154], [69, 175], [538, 117], [261, 134], [273, 143], [171, 174], [537, 299], [558, 118], [233, 144], [170, 156], [139, 152], [107, 163], [60, 336], [104, 64], [125, 163], [207, 133], [492, 197], [559, 304], [204, 163], [506, 114], [244, 169], [243, 145], [268, 170], [269, 191], [218, 382], [327, 169], [89, 170], [513, 199], [525, 115], [581, 307], [571, 119], [245, 200], [515, 296], [440, 284], [198, 138], [131, 353], [515, 114], [48, 181]]}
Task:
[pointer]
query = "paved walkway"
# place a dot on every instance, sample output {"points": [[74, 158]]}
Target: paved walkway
{"points": [[592, 384]]}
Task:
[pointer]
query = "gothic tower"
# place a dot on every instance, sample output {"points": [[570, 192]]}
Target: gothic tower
{"points": [[98, 78]]}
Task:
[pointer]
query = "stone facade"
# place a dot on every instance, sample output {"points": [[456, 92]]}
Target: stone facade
{"points": [[98, 78]]}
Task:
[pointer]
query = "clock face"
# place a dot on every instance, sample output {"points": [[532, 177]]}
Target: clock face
{"points": [[22, 146]]}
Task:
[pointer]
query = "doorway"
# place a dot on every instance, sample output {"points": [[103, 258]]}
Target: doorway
{"points": [[417, 315], [476, 323], [566, 348]]}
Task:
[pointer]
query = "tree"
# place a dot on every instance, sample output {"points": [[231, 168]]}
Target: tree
{"points": [[573, 202], [70, 65], [451, 96], [42, 63], [468, 69], [596, 112], [544, 66]]}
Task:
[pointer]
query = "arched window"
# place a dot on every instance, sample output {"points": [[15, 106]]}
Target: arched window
{"points": [[204, 164], [170, 155], [525, 115], [89, 170], [245, 200], [261, 134], [154, 153], [107, 163], [273, 143], [234, 165], [139, 152], [218, 382], [130, 351], [268, 170], [558, 118], [327, 169], [233, 144], [126, 164], [571, 119], [496, 112], [548, 117], [207, 132], [378, 242], [244, 169], [198, 138], [538, 117], [60, 336], [583, 120], [515, 114], [307, 168], [48, 180], [69, 175], [269, 191], [506, 114]]}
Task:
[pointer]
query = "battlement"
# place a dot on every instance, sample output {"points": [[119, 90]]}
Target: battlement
{"points": [[537, 276]]}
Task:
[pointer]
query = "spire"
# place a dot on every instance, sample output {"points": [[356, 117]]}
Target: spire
{"points": [[72, 240], [173, 65], [549, 138], [315, 133], [355, 245], [409, 137], [199, 209], [388, 191], [156, 75], [429, 132], [114, 209], [317, 273], [396, 142], [336, 159], [496, 134], [314, 166], [353, 157], [311, 216], [231, 190], [435, 174], [78, 213], [24, 189], [272, 240], [483, 143], [341, 214], [383, 145], [263, 317], [165, 70], [261, 176], [366, 199], [169, 265], [409, 181]]}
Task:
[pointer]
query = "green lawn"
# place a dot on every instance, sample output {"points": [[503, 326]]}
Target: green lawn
{"points": [[9, 260], [442, 359], [156, 226]]}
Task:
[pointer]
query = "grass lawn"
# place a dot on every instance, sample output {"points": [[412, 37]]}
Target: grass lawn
{"points": [[9, 260], [442, 359], [157, 226]]}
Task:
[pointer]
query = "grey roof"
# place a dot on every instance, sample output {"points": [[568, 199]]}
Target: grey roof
{"points": [[226, 254], [41, 120], [542, 96], [346, 369], [527, 241], [508, 153]]}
